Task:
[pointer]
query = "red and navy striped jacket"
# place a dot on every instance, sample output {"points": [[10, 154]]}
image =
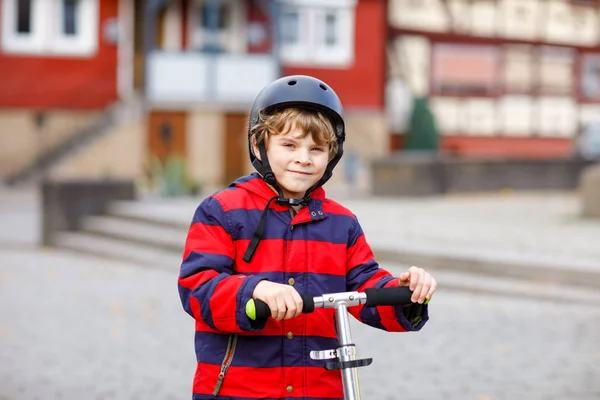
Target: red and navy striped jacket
{"points": [[321, 249]]}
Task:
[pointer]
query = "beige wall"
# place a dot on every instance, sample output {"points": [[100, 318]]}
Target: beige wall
{"points": [[22, 141], [119, 153], [367, 135], [206, 146]]}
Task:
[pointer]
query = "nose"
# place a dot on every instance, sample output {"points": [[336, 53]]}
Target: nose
{"points": [[303, 157]]}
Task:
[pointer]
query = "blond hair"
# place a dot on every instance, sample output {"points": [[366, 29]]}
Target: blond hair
{"points": [[309, 122]]}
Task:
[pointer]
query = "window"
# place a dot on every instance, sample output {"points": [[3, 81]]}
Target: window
{"points": [[22, 26], [465, 70], [24, 16], [518, 69], [555, 75], [590, 77], [69, 18], [331, 32], [290, 27], [76, 32], [61, 27], [217, 26], [317, 33], [222, 11]]}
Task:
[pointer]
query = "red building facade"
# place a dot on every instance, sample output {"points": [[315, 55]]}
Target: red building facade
{"points": [[70, 65]]}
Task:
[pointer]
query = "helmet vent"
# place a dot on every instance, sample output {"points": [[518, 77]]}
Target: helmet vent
{"points": [[323, 86], [292, 83]]}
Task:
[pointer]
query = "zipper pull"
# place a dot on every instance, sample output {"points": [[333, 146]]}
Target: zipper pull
{"points": [[219, 382]]}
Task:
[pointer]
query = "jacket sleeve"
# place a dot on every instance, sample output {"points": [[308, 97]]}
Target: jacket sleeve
{"points": [[363, 272], [209, 289]]}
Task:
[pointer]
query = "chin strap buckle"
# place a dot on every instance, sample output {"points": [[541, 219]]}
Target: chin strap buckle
{"points": [[291, 202]]}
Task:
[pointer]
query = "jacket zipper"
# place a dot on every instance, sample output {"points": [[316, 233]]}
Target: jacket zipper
{"points": [[231, 344], [289, 236]]}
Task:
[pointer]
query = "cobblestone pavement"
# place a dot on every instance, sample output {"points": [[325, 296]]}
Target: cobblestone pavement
{"points": [[20, 220], [75, 327]]}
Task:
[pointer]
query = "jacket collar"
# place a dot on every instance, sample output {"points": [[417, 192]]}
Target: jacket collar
{"points": [[255, 185]]}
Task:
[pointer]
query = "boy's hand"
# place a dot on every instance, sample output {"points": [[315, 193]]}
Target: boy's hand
{"points": [[420, 282], [283, 300]]}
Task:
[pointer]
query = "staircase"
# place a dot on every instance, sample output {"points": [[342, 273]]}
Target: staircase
{"points": [[131, 231], [116, 113], [152, 233]]}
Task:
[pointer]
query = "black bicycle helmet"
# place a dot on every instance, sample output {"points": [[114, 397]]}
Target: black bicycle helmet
{"points": [[304, 92]]}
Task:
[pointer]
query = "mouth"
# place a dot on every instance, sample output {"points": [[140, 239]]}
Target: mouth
{"points": [[300, 172]]}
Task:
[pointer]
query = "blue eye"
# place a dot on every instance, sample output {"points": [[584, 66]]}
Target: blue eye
{"points": [[318, 149]]}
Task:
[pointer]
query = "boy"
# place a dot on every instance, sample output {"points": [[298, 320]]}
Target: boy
{"points": [[272, 235]]}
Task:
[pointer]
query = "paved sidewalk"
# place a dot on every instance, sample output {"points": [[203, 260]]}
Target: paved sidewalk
{"points": [[20, 223], [74, 327]]}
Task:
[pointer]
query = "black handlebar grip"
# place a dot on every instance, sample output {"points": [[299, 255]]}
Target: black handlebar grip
{"points": [[394, 296], [263, 312], [308, 303]]}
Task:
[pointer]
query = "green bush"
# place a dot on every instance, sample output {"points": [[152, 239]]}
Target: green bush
{"points": [[422, 133]]}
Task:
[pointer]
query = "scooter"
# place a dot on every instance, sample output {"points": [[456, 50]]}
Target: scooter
{"points": [[344, 357]]}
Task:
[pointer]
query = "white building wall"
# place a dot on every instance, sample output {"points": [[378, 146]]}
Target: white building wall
{"points": [[423, 14], [555, 21], [513, 114]]}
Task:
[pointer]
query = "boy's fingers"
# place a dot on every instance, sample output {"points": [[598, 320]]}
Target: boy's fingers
{"points": [[291, 308], [431, 288], [414, 280], [299, 303], [272, 306], [425, 288], [404, 279], [416, 283], [280, 309]]}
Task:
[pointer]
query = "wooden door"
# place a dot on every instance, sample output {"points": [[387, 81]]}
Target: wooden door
{"points": [[167, 134], [236, 145]]}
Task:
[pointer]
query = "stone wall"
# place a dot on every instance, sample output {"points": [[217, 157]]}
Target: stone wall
{"points": [[426, 174], [66, 203], [590, 191]]}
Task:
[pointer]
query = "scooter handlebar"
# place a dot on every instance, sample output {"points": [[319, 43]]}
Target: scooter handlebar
{"points": [[258, 310], [393, 296]]}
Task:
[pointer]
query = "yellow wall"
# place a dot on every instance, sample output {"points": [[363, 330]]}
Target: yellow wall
{"points": [[205, 146], [119, 153], [22, 141], [122, 151]]}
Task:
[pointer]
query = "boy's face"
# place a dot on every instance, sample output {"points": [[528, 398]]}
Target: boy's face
{"points": [[298, 163]]}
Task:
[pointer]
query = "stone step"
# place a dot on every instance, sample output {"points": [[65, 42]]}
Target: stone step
{"points": [[507, 287], [507, 263], [176, 213], [115, 248], [146, 232]]}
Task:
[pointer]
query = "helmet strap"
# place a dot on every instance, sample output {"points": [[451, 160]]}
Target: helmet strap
{"points": [[264, 168]]}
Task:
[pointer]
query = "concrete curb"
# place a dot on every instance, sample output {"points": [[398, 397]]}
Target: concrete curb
{"points": [[542, 273]]}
